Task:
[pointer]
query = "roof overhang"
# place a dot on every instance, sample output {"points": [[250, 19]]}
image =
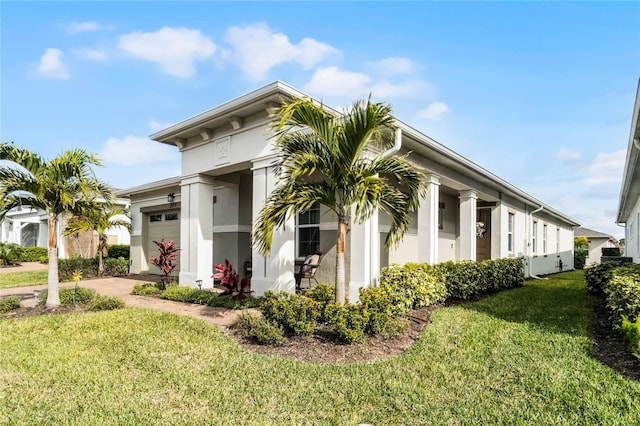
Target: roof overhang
{"points": [[630, 189], [151, 186]]}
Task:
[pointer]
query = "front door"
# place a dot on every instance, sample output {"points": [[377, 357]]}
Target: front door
{"points": [[483, 234]]}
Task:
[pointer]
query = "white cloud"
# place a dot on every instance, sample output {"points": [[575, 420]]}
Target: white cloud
{"points": [[606, 168], [82, 27], [137, 150], [567, 154], [256, 49], [52, 66], [331, 81], [157, 125], [434, 110], [394, 66], [174, 49], [385, 89], [91, 54]]}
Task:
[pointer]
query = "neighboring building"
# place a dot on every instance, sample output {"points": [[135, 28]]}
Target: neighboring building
{"points": [[29, 227], [468, 213], [597, 241], [629, 204]]}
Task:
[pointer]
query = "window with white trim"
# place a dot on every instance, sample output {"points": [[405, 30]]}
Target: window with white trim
{"points": [[308, 231], [544, 238], [557, 240], [510, 227], [534, 240]]}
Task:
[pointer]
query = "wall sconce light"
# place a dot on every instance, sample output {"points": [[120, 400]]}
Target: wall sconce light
{"points": [[171, 198], [199, 284]]}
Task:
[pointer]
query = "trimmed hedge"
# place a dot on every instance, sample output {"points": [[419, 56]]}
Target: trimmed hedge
{"points": [[119, 250], [598, 276], [413, 285], [9, 303], [89, 268], [32, 254], [623, 294], [296, 314]]}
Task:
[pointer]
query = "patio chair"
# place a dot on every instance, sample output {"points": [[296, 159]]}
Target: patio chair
{"points": [[308, 269]]}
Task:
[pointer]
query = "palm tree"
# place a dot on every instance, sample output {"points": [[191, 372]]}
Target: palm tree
{"points": [[63, 184], [325, 158], [99, 218]]}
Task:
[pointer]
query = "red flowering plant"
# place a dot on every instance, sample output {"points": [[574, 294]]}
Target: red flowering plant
{"points": [[166, 261], [230, 279]]}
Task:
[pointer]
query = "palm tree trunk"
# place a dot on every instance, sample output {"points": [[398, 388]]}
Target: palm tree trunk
{"points": [[53, 291], [101, 244], [340, 270]]}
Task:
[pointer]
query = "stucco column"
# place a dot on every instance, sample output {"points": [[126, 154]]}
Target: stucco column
{"points": [[274, 271], [428, 222], [467, 244], [364, 255], [196, 231]]}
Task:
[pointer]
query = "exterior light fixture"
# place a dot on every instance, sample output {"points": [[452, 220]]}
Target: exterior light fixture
{"points": [[171, 198], [199, 284]]}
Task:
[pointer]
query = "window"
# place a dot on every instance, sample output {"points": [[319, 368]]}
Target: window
{"points": [[440, 215], [512, 217], [544, 239], [557, 240], [309, 231], [155, 218], [534, 242], [171, 216]]}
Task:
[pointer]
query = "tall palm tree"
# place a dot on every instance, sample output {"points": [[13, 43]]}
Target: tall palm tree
{"points": [[327, 159], [99, 218], [63, 184]]}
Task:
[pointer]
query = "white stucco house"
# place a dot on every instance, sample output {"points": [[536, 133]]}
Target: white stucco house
{"points": [[29, 227], [468, 213], [629, 202], [597, 241]]}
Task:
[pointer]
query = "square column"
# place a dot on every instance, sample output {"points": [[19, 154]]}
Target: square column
{"points": [[196, 231], [364, 255], [428, 222], [275, 271], [467, 244]]}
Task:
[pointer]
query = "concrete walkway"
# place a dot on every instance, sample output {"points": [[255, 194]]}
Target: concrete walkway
{"points": [[121, 287]]}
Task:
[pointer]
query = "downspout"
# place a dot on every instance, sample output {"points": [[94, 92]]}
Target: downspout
{"points": [[529, 243], [396, 145]]}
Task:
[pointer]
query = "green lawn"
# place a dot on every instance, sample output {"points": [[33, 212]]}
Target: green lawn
{"points": [[521, 357], [20, 279]]}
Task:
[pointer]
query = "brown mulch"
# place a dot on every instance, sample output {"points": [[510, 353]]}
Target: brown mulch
{"points": [[609, 346]]}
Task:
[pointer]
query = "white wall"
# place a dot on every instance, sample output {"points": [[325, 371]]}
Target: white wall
{"points": [[632, 234]]}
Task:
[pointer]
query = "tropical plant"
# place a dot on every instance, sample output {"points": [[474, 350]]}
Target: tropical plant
{"points": [[327, 159], [63, 184], [98, 217], [230, 279], [580, 252], [166, 261]]}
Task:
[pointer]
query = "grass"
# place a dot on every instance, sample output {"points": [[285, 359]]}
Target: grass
{"points": [[24, 278], [520, 357]]}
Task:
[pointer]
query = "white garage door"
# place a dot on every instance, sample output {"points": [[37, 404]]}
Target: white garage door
{"points": [[163, 225]]}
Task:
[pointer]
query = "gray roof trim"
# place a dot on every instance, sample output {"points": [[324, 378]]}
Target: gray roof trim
{"points": [[151, 186], [630, 188], [590, 233]]}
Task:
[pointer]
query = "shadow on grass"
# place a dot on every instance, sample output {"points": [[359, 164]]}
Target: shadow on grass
{"points": [[558, 304]]}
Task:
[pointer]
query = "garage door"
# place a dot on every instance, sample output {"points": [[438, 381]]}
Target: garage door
{"points": [[163, 225]]}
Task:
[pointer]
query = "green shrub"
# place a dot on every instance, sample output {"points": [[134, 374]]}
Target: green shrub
{"points": [[295, 313], [9, 253], [32, 254], [144, 289], [631, 333], [466, 279], [66, 268], [394, 328], [414, 285], [43, 259], [598, 276], [180, 294], [9, 303], [259, 330], [323, 294], [82, 295], [579, 258], [104, 303], [227, 301], [623, 294], [379, 303], [117, 267], [119, 250], [348, 322]]}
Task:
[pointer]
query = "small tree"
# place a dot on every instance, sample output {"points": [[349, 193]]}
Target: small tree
{"points": [[167, 260], [580, 252]]}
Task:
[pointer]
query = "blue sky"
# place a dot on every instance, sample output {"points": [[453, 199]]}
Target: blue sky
{"points": [[540, 94]]}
